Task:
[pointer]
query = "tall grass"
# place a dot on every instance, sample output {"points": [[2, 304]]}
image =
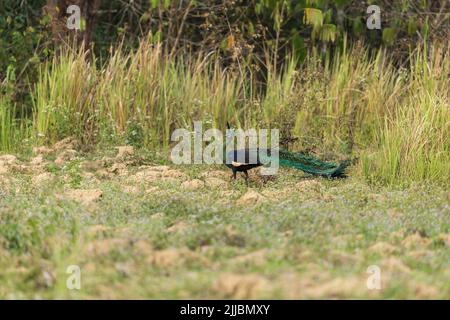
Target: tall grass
{"points": [[62, 97], [14, 126], [141, 89], [13, 129], [354, 104], [146, 89], [414, 142], [6, 123]]}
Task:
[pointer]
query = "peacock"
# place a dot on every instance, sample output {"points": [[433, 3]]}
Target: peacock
{"points": [[240, 161]]}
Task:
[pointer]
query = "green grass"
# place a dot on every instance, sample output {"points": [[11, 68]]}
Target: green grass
{"points": [[309, 240], [395, 121], [414, 139], [157, 238]]}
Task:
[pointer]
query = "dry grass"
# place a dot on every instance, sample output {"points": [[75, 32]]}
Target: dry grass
{"points": [[141, 232], [394, 120]]}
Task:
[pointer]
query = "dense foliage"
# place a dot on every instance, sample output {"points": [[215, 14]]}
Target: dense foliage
{"points": [[236, 28]]}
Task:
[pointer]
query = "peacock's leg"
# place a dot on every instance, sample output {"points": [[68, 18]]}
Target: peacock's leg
{"points": [[246, 176]]}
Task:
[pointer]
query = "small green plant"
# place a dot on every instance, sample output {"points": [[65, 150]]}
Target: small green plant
{"points": [[135, 135], [73, 170]]}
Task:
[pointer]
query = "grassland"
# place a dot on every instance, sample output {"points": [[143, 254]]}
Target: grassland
{"points": [[139, 227], [393, 119]]}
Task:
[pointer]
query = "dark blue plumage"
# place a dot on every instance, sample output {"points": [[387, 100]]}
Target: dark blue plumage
{"points": [[243, 160]]}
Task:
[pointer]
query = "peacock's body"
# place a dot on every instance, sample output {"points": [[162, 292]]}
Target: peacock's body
{"points": [[243, 160]]}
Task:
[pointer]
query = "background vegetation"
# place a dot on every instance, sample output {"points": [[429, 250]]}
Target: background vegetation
{"points": [[310, 68], [86, 180]]}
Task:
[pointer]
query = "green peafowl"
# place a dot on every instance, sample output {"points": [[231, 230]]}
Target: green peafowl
{"points": [[242, 160]]}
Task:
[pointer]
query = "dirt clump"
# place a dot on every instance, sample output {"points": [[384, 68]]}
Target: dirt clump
{"points": [[394, 265], [7, 162], [194, 184], [173, 257], [337, 288], [251, 197], [237, 286], [69, 143], [42, 150], [216, 174], [178, 227], [383, 248], [276, 195], [8, 159], [212, 182], [102, 247], [42, 179], [415, 240], [91, 166], [85, 196], [65, 156], [257, 258], [118, 169], [37, 161], [124, 151], [423, 291], [309, 186]]}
